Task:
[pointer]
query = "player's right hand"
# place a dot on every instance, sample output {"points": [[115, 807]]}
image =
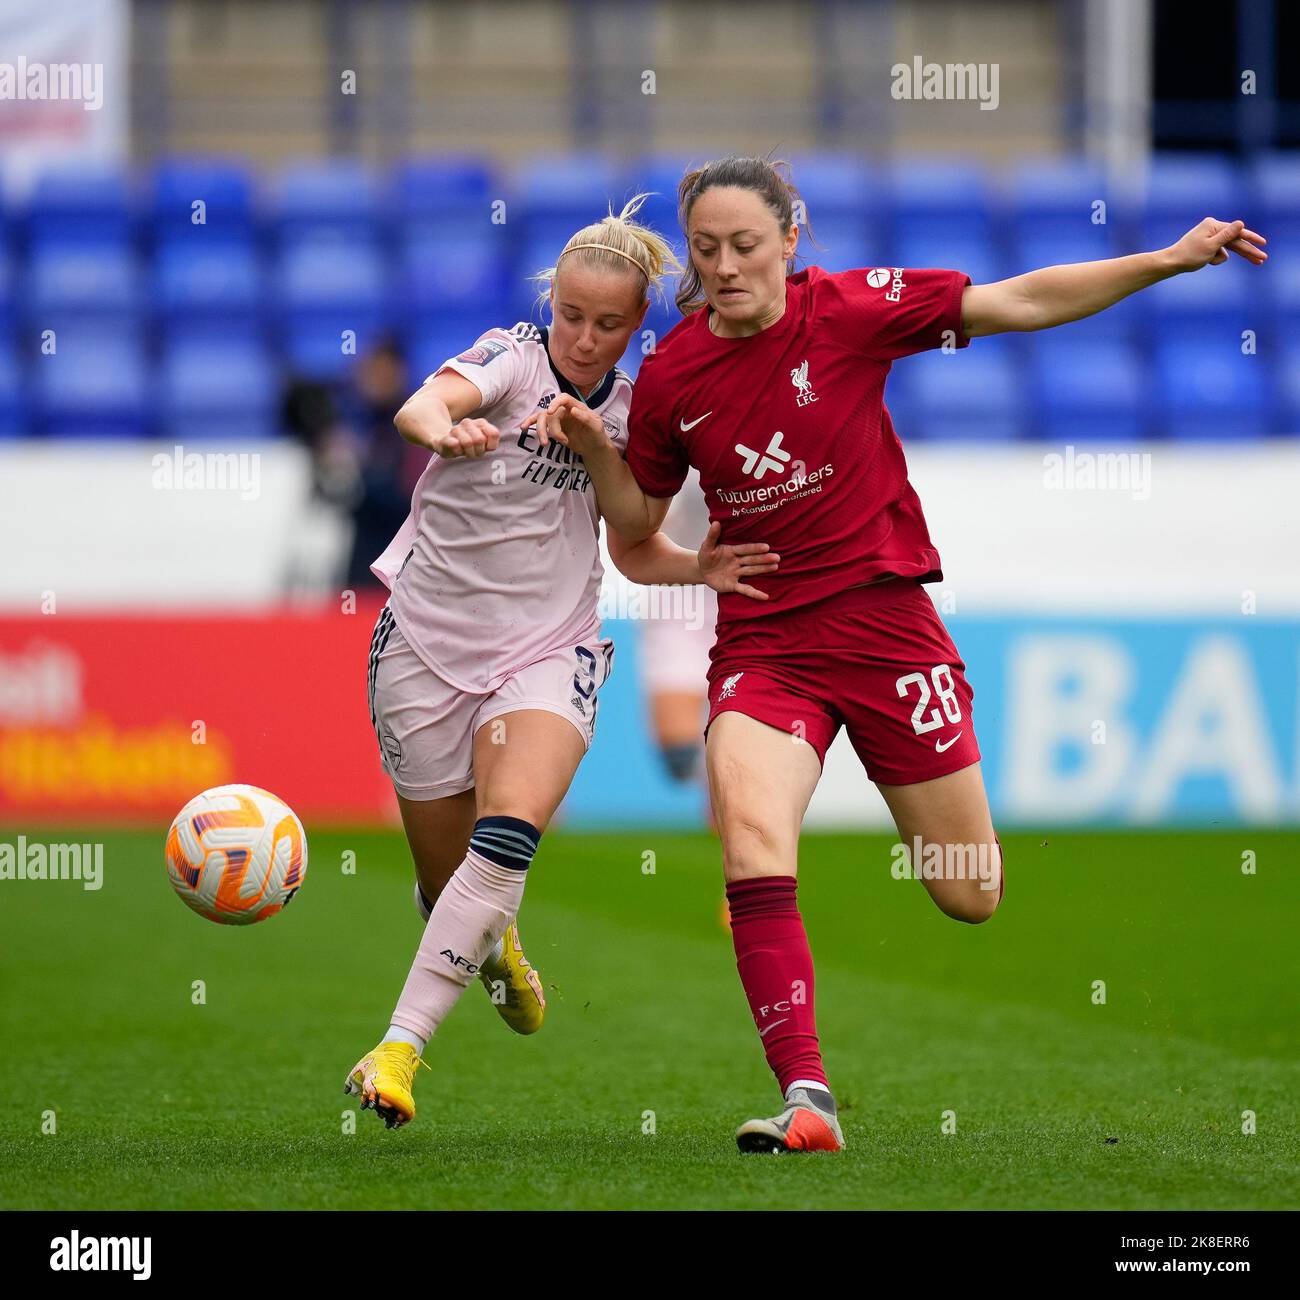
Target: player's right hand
{"points": [[571, 423], [471, 437], [1210, 242]]}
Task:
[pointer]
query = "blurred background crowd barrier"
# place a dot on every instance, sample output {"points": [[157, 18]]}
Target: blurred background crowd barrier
{"points": [[234, 236]]}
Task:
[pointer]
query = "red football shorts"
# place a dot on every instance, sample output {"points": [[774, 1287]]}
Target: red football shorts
{"points": [[875, 659]]}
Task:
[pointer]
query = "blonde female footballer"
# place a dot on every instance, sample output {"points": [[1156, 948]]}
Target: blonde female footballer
{"points": [[487, 661]]}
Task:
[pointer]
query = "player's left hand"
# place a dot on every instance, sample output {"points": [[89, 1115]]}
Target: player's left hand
{"points": [[724, 567], [571, 423], [1209, 244]]}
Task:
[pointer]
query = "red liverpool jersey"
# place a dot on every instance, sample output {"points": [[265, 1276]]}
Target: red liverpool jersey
{"points": [[789, 430]]}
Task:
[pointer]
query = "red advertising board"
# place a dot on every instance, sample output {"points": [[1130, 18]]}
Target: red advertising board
{"points": [[123, 718]]}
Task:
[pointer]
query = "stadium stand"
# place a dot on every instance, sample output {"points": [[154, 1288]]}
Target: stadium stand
{"points": [[184, 299]]}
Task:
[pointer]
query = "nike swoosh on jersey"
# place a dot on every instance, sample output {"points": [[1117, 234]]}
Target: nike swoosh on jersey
{"points": [[686, 428], [762, 1033], [940, 745]]}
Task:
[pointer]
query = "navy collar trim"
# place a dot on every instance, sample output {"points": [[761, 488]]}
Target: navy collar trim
{"points": [[598, 395]]}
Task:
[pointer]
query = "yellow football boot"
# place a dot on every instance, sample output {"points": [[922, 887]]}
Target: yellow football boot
{"points": [[513, 985], [384, 1078]]}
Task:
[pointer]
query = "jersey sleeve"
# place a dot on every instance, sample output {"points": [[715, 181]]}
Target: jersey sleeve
{"points": [[891, 312], [654, 454], [494, 365]]}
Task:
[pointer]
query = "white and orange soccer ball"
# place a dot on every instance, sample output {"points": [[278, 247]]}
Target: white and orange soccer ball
{"points": [[236, 854]]}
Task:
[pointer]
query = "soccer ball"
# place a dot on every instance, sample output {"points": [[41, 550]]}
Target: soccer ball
{"points": [[236, 854]]}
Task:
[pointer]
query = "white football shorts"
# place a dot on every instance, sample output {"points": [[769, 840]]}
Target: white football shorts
{"points": [[426, 726]]}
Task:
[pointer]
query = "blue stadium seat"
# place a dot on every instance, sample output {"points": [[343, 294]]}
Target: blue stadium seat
{"points": [[560, 194], [233, 318], [1276, 181], [836, 183], [224, 386], [8, 288], [325, 274], [521, 290], [581, 186], [1208, 390], [428, 347], [630, 362], [324, 346], [1215, 294], [1182, 189], [96, 383], [218, 279], [445, 189], [13, 404], [973, 394], [1053, 215], [941, 213], [81, 203], [659, 175], [82, 280], [223, 187], [933, 190], [902, 411], [1084, 390], [1276, 215], [954, 249], [1279, 278], [1287, 373], [661, 319], [471, 272], [339, 199], [1047, 246], [842, 242], [333, 298], [1056, 190]]}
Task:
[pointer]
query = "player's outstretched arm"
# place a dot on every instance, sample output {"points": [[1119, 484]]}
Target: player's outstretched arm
{"points": [[576, 426], [1057, 294], [659, 559]]}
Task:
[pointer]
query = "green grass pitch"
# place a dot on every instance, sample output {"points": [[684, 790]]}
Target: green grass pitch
{"points": [[238, 1103]]}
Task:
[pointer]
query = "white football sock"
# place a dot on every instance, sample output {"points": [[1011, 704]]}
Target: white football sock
{"points": [[806, 1083], [396, 1034]]}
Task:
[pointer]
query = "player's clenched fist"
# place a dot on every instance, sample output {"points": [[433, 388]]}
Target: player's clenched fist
{"points": [[469, 437]]}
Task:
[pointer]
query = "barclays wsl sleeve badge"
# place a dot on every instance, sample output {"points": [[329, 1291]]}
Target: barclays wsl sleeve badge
{"points": [[481, 353]]}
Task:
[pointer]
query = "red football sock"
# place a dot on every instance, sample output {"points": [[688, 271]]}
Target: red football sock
{"points": [[776, 970]]}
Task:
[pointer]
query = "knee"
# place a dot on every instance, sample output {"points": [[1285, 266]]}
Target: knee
{"points": [[973, 906], [979, 893], [751, 848]]}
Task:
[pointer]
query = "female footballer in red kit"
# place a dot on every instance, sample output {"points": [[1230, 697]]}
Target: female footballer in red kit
{"points": [[772, 387]]}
